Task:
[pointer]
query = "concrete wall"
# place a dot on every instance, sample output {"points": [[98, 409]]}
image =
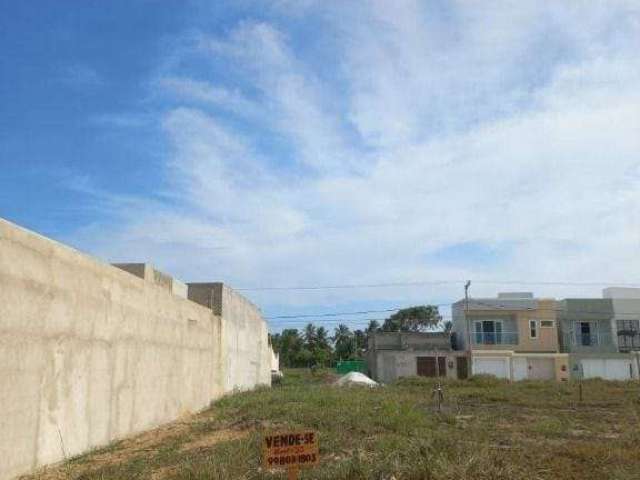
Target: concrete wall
{"points": [[409, 340], [387, 366], [391, 355], [150, 274], [90, 353], [245, 341], [275, 361], [459, 327]]}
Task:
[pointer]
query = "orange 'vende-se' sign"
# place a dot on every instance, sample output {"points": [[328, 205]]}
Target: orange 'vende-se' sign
{"points": [[290, 449]]}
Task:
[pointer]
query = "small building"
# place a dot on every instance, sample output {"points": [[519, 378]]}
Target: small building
{"points": [[393, 355], [512, 336]]}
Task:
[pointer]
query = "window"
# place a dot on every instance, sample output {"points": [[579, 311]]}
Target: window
{"points": [[628, 335], [488, 332], [533, 328], [584, 336], [546, 323]]}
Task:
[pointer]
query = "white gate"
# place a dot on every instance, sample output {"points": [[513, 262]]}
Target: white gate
{"points": [[496, 366], [607, 368]]}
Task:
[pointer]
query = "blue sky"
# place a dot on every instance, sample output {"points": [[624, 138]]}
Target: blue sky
{"points": [[312, 142]]}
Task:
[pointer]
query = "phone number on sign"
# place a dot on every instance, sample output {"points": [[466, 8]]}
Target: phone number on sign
{"points": [[292, 459]]}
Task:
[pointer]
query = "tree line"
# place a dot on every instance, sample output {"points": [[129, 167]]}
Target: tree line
{"points": [[316, 346]]}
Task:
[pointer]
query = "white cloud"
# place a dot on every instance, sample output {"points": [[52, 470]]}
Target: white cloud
{"points": [[204, 92], [516, 125]]}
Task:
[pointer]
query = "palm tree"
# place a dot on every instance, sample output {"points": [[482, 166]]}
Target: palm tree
{"points": [[310, 336], [343, 340], [322, 352], [373, 327], [360, 340], [322, 338]]}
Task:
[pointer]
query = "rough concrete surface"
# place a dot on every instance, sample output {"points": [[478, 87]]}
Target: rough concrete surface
{"points": [[90, 353]]}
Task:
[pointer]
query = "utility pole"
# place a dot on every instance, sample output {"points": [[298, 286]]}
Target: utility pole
{"points": [[437, 389], [466, 311], [466, 321]]}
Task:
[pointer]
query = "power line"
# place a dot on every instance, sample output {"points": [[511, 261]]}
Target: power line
{"points": [[339, 314], [327, 323], [567, 284], [336, 314], [330, 323], [439, 282], [302, 319], [337, 319], [354, 285]]}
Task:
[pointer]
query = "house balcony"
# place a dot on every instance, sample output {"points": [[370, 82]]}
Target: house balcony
{"points": [[588, 342], [490, 340]]}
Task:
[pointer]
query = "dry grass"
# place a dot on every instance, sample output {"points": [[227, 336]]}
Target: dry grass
{"points": [[488, 429]]}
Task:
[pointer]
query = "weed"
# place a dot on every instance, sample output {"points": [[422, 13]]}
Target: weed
{"points": [[488, 429]]}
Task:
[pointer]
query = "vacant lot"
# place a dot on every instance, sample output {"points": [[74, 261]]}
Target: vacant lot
{"points": [[487, 429]]}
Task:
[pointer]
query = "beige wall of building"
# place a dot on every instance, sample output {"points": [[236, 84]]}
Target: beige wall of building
{"points": [[90, 353], [547, 337]]}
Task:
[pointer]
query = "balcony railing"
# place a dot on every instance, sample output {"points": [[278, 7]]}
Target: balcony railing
{"points": [[586, 340], [494, 338]]}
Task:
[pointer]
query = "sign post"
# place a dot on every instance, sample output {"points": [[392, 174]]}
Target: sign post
{"points": [[291, 450], [292, 473]]}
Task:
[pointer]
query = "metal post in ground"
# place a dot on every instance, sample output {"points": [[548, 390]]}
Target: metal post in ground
{"points": [[580, 383], [438, 386], [466, 322], [580, 390], [437, 391]]}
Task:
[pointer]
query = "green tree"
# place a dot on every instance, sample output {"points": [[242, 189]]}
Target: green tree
{"points": [[343, 342], [310, 337], [413, 319], [360, 340], [290, 345], [304, 358], [310, 347], [374, 326], [323, 352], [322, 339]]}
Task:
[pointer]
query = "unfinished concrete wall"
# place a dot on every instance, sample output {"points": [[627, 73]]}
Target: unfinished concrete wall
{"points": [[90, 353], [275, 361], [244, 335], [391, 365]]}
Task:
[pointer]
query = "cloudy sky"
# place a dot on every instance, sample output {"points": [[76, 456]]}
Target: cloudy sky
{"points": [[324, 143]]}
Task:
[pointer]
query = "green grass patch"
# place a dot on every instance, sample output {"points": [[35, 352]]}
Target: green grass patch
{"points": [[486, 429]]}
